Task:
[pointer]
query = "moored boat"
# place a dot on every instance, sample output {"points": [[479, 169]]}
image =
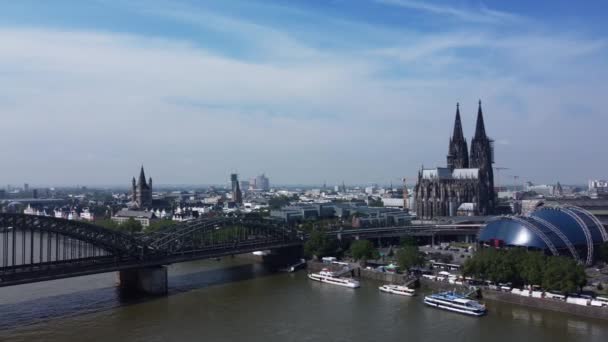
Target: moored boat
{"points": [[455, 302], [398, 290], [325, 276]]}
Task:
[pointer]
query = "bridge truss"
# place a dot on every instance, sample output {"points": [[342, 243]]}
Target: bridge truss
{"points": [[37, 248]]}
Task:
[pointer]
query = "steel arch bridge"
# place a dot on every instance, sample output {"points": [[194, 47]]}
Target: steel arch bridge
{"points": [[37, 248]]}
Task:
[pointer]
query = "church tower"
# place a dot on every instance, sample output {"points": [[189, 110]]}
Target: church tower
{"points": [[142, 190], [482, 158], [458, 155]]}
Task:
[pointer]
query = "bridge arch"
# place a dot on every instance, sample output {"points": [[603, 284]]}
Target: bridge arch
{"points": [[220, 232], [115, 243]]}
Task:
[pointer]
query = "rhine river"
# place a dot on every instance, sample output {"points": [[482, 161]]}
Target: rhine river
{"points": [[237, 300]]}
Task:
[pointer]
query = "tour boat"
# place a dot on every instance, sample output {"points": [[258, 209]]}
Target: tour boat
{"points": [[453, 301], [294, 267], [326, 276], [397, 289]]}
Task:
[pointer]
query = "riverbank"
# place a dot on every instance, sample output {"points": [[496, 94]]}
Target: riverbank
{"points": [[253, 304], [537, 303], [315, 266]]}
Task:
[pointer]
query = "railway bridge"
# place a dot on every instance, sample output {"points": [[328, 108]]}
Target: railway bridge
{"points": [[39, 248]]}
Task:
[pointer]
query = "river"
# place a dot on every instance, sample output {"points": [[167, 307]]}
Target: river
{"points": [[238, 300]]}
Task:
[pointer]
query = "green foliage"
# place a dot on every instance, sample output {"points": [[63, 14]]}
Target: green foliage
{"points": [[374, 202], [563, 274], [363, 250], [160, 224], [107, 223], [521, 267], [532, 267], [280, 201], [408, 256], [408, 241], [320, 245], [131, 226], [307, 226]]}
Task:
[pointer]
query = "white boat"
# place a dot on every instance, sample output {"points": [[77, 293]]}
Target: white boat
{"points": [[328, 277], [398, 289], [452, 301], [294, 267]]}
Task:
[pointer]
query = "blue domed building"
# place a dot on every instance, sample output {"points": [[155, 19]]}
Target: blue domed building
{"points": [[564, 230]]}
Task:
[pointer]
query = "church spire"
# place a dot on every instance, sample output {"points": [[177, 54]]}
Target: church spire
{"points": [[457, 135], [142, 176], [458, 155], [480, 129]]}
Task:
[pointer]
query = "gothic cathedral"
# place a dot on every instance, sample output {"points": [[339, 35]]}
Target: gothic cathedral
{"points": [[466, 185]]}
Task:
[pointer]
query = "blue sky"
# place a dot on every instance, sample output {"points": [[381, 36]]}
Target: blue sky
{"points": [[307, 91]]}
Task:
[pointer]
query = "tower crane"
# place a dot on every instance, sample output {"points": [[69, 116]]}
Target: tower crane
{"points": [[498, 169]]}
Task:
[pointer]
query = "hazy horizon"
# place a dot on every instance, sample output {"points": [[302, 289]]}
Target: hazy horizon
{"points": [[307, 92]]}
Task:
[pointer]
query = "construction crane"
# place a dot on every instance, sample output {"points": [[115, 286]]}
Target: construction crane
{"points": [[515, 178], [498, 169]]}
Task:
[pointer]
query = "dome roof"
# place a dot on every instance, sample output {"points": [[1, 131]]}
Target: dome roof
{"points": [[562, 230]]}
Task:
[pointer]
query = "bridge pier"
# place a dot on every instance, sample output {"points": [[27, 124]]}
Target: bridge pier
{"points": [[283, 256], [147, 280]]}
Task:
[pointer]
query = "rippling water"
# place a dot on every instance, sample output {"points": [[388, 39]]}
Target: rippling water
{"points": [[234, 300]]}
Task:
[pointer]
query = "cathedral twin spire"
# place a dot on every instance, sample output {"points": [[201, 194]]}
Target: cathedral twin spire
{"points": [[457, 135], [480, 129], [458, 155]]}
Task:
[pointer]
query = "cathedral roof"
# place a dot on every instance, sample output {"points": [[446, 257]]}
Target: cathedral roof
{"points": [[444, 173], [465, 173], [437, 173]]}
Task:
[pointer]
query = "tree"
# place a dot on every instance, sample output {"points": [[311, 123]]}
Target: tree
{"points": [[563, 274], [407, 241], [374, 202], [408, 256], [160, 224], [521, 267], [131, 226], [107, 223], [532, 267], [279, 201], [363, 250], [320, 245]]}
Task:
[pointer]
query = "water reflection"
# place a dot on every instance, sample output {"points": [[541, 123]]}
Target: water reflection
{"points": [[233, 300]]}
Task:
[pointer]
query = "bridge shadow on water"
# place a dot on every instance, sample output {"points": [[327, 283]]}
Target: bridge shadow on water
{"points": [[40, 310]]}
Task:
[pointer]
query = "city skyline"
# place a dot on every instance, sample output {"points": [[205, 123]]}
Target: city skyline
{"points": [[306, 91]]}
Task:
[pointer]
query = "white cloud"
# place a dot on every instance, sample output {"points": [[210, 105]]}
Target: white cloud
{"points": [[75, 102], [477, 15]]}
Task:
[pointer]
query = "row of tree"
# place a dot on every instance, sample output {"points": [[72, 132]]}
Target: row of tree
{"points": [[522, 267], [130, 226], [133, 226]]}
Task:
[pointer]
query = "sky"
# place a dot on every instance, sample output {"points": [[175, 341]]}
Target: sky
{"points": [[307, 91]]}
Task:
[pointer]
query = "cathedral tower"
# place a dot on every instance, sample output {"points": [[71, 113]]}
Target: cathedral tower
{"points": [[482, 158], [458, 155], [142, 190]]}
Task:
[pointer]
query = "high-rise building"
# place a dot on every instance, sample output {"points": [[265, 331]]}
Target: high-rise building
{"points": [[466, 185], [262, 183], [141, 191], [237, 195]]}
